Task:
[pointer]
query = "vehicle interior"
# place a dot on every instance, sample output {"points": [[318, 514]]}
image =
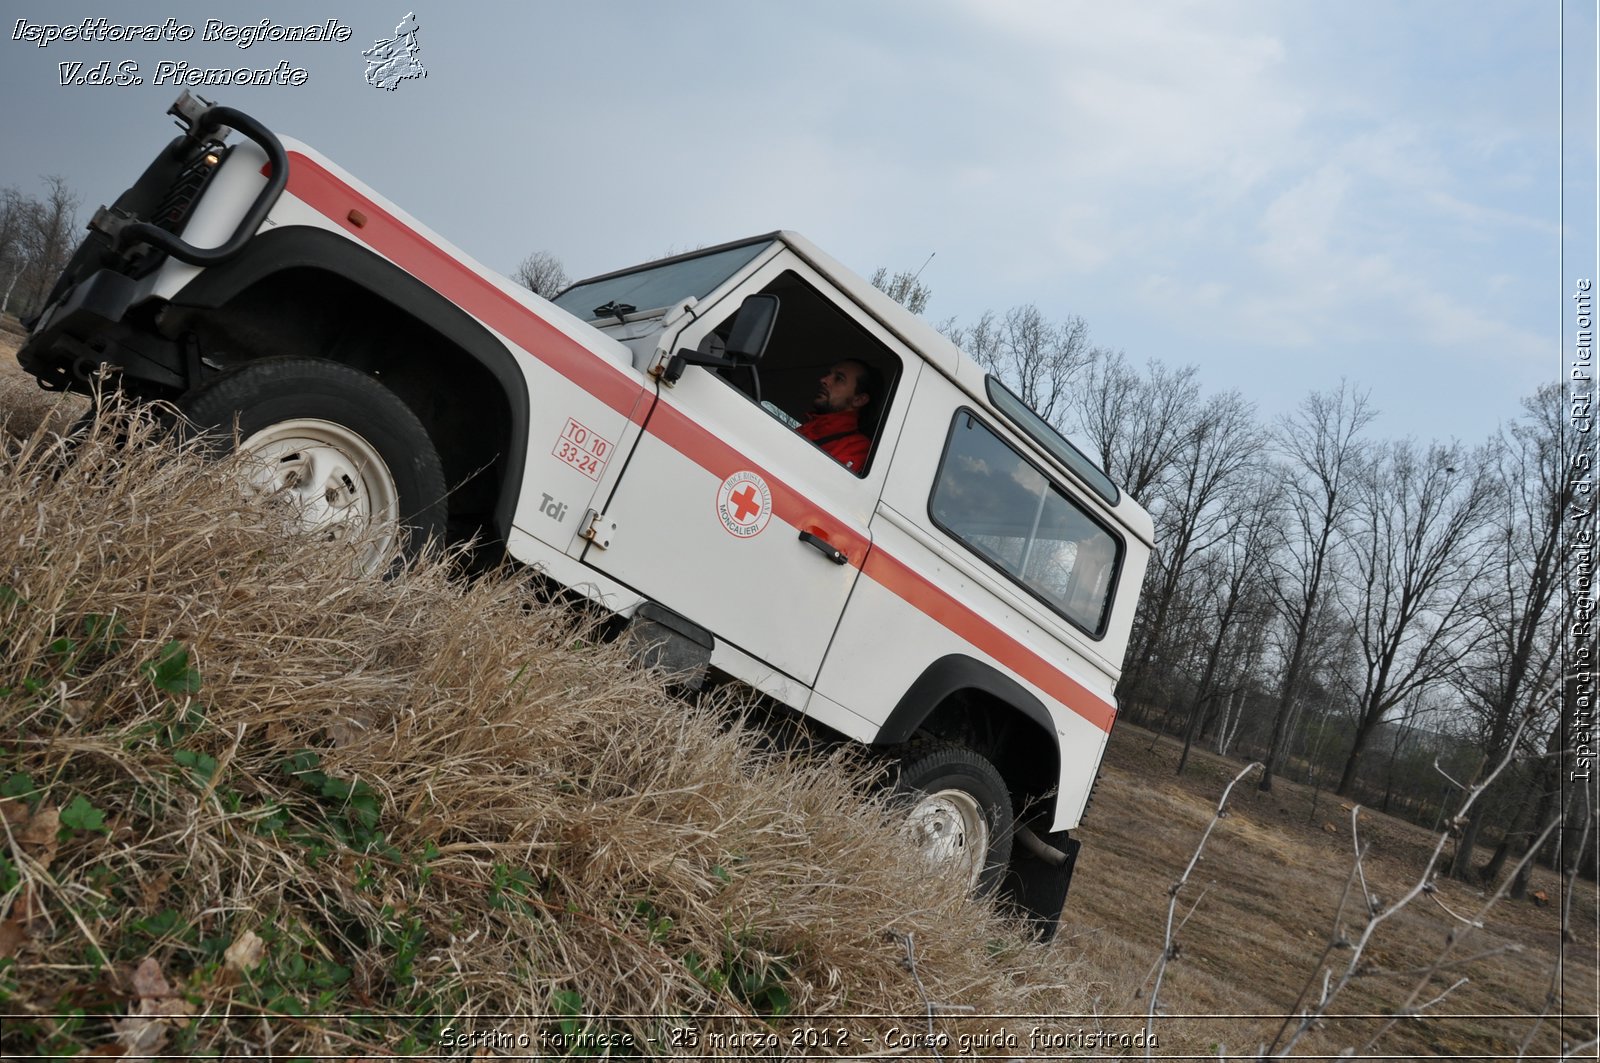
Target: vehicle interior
{"points": [[811, 335]]}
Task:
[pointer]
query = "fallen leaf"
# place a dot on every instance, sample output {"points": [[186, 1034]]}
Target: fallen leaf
{"points": [[140, 1036], [39, 834], [13, 810], [150, 891], [75, 709], [148, 981], [145, 1030], [349, 729], [28, 911], [175, 1010], [12, 936], [245, 952]]}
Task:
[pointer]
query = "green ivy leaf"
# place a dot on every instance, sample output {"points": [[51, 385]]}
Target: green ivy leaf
{"points": [[81, 815], [19, 785], [203, 766], [170, 671]]}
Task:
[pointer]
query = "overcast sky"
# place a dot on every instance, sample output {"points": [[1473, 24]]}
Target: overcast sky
{"points": [[1283, 194]]}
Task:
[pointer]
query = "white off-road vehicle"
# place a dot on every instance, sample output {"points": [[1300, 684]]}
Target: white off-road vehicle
{"points": [[961, 600]]}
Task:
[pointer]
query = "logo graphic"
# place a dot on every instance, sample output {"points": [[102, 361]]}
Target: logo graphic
{"points": [[392, 61], [744, 504]]}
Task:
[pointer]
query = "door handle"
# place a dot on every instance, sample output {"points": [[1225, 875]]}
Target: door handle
{"points": [[828, 550]]}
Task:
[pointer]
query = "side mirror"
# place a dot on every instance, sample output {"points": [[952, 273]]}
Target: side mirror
{"points": [[752, 327], [747, 339]]}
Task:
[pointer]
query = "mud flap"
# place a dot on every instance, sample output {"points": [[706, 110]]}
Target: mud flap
{"points": [[1037, 885], [668, 641]]}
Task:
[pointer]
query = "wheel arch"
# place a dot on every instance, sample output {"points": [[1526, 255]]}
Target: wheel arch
{"points": [[959, 697], [359, 309]]}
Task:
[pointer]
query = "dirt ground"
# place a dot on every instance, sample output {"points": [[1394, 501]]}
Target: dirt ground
{"points": [[1268, 888], [1263, 902]]}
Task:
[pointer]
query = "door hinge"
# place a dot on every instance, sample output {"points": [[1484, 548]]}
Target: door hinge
{"points": [[598, 528]]}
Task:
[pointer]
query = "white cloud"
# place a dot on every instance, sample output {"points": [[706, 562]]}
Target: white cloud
{"points": [[1146, 94]]}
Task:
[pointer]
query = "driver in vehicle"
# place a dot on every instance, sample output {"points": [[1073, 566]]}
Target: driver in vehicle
{"points": [[844, 393]]}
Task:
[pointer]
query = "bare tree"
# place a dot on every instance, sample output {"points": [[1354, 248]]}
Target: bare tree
{"points": [[1037, 358], [1137, 424], [904, 288], [1515, 657], [980, 341], [1238, 568], [1404, 738], [47, 238], [1542, 795], [14, 210], [1222, 444], [542, 274], [1417, 553], [1324, 455]]}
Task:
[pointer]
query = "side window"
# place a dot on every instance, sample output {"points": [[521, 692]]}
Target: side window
{"points": [[1021, 522], [823, 375]]}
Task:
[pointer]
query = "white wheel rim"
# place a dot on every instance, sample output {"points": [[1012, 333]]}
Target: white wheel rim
{"points": [[336, 482], [950, 829]]}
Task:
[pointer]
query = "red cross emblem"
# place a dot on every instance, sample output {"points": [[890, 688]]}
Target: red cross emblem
{"points": [[744, 504]]}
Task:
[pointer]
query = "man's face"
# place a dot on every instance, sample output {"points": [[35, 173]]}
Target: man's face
{"points": [[837, 390]]}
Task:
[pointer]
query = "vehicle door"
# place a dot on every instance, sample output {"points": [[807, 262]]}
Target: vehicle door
{"points": [[725, 513]]}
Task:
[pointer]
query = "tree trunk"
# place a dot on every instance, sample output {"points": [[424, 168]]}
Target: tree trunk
{"points": [[1230, 722], [1523, 829], [1201, 698], [1539, 803], [1519, 884], [1286, 699], [1352, 766], [1280, 721], [1461, 865], [1497, 863]]}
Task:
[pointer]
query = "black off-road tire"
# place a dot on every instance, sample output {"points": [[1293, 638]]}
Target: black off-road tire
{"points": [[949, 790], [271, 404]]}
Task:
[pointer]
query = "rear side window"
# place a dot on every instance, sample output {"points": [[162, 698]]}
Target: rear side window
{"points": [[1006, 510]]}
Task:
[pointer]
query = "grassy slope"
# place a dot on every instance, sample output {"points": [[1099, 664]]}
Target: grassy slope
{"points": [[278, 791], [412, 796]]}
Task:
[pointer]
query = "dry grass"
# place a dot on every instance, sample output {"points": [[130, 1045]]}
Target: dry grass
{"points": [[419, 796], [503, 818]]}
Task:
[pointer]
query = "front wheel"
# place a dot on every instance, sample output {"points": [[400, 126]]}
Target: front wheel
{"points": [[959, 812], [342, 452]]}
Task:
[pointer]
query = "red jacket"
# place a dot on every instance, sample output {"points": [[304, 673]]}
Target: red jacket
{"points": [[840, 436]]}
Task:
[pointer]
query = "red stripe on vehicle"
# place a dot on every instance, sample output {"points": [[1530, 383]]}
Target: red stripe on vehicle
{"points": [[447, 275], [926, 597], [389, 236]]}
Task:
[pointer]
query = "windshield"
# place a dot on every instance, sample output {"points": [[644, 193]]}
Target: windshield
{"points": [[658, 285]]}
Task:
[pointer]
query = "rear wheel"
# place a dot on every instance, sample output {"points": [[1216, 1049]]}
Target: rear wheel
{"points": [[345, 456], [958, 812]]}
